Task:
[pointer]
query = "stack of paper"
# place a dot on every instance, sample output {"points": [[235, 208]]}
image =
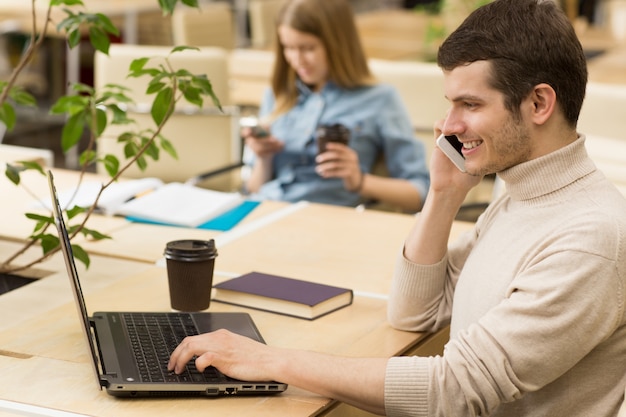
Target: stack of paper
{"points": [[180, 204]]}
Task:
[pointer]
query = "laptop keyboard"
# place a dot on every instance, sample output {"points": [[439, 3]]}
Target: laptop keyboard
{"points": [[153, 337]]}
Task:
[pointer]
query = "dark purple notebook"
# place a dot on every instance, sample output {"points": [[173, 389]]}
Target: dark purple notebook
{"points": [[286, 289]]}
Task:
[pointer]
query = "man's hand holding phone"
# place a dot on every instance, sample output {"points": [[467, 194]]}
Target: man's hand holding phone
{"points": [[445, 177]]}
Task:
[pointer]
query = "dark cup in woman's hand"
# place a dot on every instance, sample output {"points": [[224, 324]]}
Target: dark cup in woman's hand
{"points": [[331, 133]]}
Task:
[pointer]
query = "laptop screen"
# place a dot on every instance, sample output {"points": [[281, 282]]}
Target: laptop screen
{"points": [[66, 248]]}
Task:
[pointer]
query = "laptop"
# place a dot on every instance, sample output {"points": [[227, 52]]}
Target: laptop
{"points": [[130, 350]]}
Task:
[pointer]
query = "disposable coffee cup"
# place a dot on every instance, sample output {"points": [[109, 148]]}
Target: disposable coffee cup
{"points": [[190, 265], [331, 133]]}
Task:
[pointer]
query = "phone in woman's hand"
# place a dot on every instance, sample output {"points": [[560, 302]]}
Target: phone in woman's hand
{"points": [[451, 146], [259, 131]]}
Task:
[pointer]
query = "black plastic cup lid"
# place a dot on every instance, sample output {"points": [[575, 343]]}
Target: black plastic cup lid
{"points": [[190, 250]]}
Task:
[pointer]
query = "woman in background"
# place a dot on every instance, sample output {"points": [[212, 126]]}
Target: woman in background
{"points": [[321, 77]]}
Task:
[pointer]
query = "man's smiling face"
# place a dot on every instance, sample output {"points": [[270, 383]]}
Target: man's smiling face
{"points": [[493, 138]]}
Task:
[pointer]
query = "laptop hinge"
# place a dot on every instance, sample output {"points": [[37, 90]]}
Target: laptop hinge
{"points": [[101, 371]]}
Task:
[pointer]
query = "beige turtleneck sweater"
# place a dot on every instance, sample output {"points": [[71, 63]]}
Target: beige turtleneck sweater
{"points": [[535, 298]]}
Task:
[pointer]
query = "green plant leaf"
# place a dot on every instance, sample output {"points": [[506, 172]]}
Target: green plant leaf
{"points": [[42, 221], [39, 217], [105, 23], [137, 65], [26, 165], [48, 242], [73, 38], [7, 115], [99, 39], [191, 3], [111, 164], [83, 88], [192, 95], [72, 131], [167, 146], [101, 121], [202, 82], [94, 234], [141, 163], [183, 48], [74, 211], [167, 6], [125, 137], [120, 117], [87, 157], [70, 104], [65, 2], [181, 73], [155, 87], [130, 149], [80, 254], [115, 97], [22, 97], [161, 105], [13, 174], [152, 151]]}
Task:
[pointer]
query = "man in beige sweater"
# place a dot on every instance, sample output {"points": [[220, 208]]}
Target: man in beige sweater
{"points": [[535, 294]]}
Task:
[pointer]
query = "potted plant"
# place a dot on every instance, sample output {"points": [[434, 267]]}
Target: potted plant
{"points": [[91, 111]]}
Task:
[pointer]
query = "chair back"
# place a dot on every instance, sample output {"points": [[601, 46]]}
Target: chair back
{"points": [[262, 15], [604, 110], [420, 85], [210, 25], [113, 68], [609, 155], [205, 139], [250, 73]]}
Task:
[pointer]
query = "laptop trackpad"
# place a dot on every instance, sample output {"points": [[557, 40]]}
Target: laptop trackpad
{"points": [[240, 323]]}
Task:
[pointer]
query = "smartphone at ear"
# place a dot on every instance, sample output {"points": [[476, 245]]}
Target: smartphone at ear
{"points": [[451, 146]]}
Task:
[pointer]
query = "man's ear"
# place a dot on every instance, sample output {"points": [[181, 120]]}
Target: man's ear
{"points": [[543, 101]]}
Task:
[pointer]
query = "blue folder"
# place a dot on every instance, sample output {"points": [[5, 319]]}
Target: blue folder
{"points": [[223, 222]]}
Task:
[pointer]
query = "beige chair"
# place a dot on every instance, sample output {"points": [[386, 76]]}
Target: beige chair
{"points": [[212, 25], [615, 11], [15, 153], [420, 85], [249, 72], [113, 68], [262, 14], [604, 110], [603, 120], [609, 155], [205, 139]]}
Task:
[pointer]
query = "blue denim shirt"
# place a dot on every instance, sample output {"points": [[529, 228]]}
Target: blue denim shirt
{"points": [[378, 124]]}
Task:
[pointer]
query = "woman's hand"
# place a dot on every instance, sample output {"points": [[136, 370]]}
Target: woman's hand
{"points": [[262, 146], [340, 161]]}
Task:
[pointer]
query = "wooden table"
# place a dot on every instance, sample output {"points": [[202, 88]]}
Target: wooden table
{"points": [[45, 361], [17, 200], [44, 358], [330, 244]]}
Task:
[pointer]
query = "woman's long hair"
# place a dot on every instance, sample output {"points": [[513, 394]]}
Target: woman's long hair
{"points": [[331, 21]]}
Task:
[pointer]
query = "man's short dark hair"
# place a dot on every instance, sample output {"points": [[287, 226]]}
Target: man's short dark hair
{"points": [[527, 42]]}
